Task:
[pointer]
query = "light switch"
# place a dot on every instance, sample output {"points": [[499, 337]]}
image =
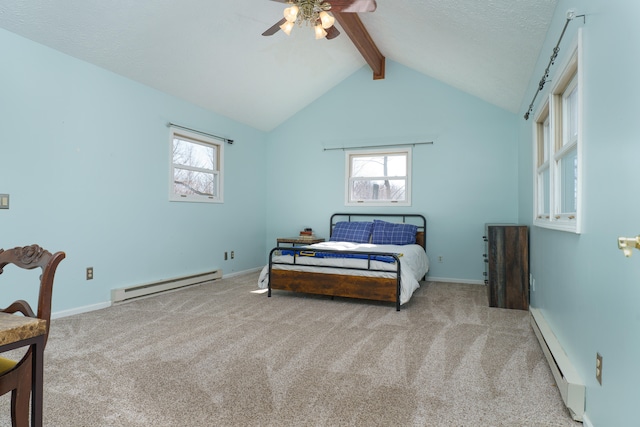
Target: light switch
{"points": [[4, 201]]}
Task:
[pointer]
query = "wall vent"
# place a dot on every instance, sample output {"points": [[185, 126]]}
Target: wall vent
{"points": [[123, 294], [569, 382]]}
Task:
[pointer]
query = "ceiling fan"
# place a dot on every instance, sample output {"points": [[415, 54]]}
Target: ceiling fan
{"points": [[315, 13]]}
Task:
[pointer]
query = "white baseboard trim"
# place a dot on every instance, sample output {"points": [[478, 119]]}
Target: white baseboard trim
{"points": [[450, 280], [78, 310], [240, 273], [586, 422], [101, 305]]}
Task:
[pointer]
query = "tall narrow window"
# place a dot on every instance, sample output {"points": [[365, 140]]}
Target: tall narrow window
{"points": [[566, 155], [378, 178], [543, 169], [196, 167], [557, 139]]}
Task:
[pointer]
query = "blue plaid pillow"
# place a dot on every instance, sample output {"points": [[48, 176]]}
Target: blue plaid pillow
{"points": [[386, 233], [355, 232]]}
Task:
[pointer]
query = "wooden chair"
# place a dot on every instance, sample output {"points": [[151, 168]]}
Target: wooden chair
{"points": [[15, 376]]}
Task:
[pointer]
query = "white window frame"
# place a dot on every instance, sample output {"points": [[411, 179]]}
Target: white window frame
{"points": [[216, 170], [542, 134], [406, 151], [550, 130]]}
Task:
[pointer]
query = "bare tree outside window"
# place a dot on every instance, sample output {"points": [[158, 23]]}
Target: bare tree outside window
{"points": [[195, 169], [378, 177]]}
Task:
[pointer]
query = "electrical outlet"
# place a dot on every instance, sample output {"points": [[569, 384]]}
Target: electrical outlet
{"points": [[440, 258], [532, 283], [233, 254], [599, 368], [89, 273], [226, 256]]}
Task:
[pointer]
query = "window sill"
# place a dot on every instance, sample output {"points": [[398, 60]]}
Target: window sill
{"points": [[559, 225], [377, 203], [192, 199]]}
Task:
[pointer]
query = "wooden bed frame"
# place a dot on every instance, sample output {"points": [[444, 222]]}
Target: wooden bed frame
{"points": [[345, 285]]}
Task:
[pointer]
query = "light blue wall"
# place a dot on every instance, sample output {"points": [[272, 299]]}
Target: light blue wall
{"points": [[587, 290], [467, 178], [84, 155]]}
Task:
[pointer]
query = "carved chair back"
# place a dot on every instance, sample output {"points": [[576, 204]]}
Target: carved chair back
{"points": [[16, 376], [30, 257]]}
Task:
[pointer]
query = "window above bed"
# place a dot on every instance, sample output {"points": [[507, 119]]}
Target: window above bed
{"points": [[378, 177]]}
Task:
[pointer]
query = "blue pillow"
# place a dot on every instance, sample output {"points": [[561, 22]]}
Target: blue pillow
{"points": [[355, 232], [387, 233]]}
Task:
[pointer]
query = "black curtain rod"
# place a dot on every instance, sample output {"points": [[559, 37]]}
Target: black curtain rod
{"points": [[570, 15], [221, 138], [413, 144]]}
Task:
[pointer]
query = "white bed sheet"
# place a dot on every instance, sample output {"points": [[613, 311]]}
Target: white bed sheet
{"points": [[414, 264]]}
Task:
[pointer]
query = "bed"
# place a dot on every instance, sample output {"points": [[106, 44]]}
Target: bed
{"points": [[379, 257]]}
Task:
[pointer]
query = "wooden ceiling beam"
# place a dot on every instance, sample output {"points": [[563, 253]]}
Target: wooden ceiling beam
{"points": [[355, 29]]}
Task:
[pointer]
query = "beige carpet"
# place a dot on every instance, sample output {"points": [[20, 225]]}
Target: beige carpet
{"points": [[220, 354]]}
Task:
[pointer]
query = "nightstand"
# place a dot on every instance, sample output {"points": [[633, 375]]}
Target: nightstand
{"points": [[299, 240]]}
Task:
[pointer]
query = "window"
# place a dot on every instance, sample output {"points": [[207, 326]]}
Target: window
{"points": [[196, 167], [543, 169], [378, 178], [557, 150]]}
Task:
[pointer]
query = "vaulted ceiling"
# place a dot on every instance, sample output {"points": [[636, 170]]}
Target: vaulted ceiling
{"points": [[212, 53]]}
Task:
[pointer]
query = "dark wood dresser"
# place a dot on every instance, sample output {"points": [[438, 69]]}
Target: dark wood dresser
{"points": [[506, 260]]}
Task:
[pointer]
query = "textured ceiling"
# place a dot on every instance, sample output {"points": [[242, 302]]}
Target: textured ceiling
{"points": [[211, 52]]}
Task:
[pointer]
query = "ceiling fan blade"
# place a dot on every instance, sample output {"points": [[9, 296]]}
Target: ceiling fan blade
{"points": [[352, 6], [332, 32], [275, 28]]}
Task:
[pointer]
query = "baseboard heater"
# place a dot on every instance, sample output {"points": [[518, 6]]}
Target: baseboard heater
{"points": [[569, 382], [123, 294]]}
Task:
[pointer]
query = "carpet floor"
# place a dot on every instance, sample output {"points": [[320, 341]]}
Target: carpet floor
{"points": [[223, 354]]}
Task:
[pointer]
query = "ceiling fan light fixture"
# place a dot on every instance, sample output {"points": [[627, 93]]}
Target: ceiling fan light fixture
{"points": [[326, 19], [287, 27], [291, 13], [320, 32]]}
